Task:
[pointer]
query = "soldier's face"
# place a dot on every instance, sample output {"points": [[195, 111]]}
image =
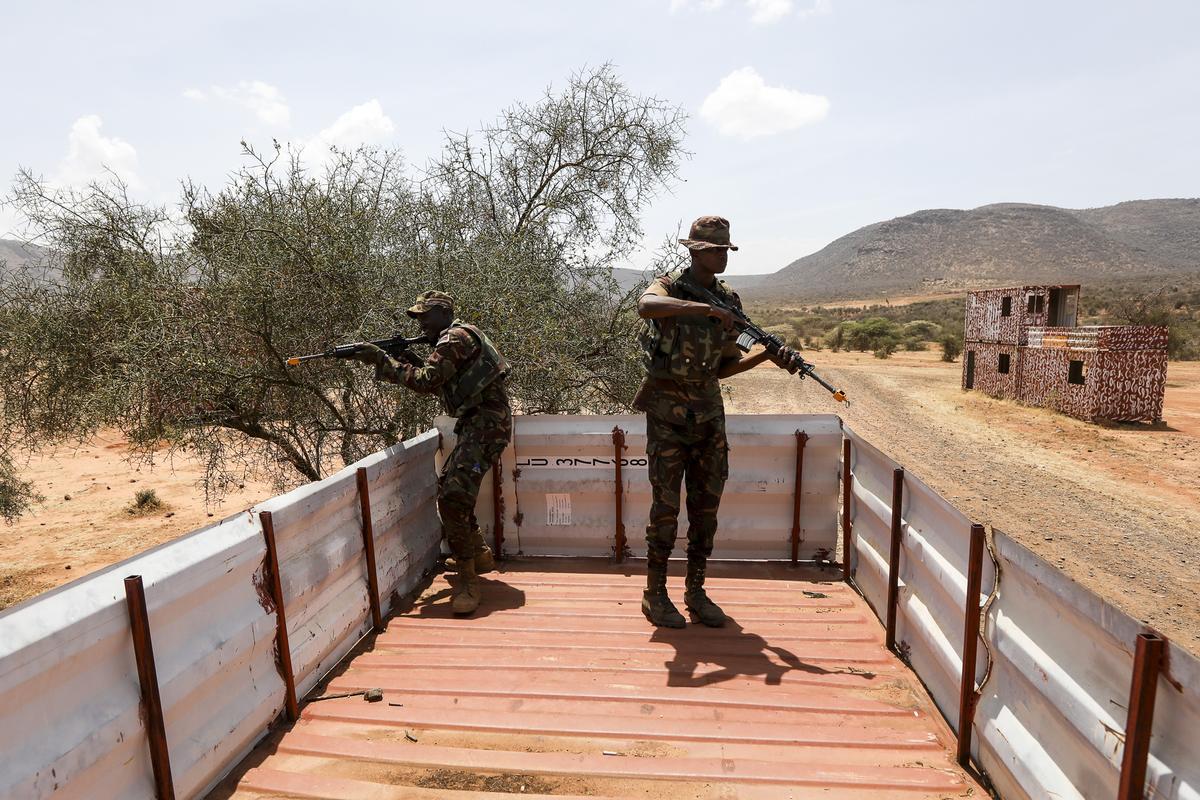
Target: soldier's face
{"points": [[433, 322], [713, 261]]}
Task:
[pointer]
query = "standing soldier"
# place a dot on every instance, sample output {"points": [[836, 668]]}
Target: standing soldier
{"points": [[687, 348], [468, 373]]}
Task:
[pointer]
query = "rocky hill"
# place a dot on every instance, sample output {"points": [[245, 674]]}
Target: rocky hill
{"points": [[15, 254], [1007, 243]]}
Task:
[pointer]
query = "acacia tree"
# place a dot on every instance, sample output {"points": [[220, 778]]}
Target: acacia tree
{"points": [[174, 327]]}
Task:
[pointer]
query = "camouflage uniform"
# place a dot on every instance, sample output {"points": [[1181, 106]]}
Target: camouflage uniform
{"points": [[468, 374], [685, 433], [483, 429]]}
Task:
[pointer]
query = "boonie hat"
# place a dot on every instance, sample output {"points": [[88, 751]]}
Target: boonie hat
{"points": [[427, 301], [709, 233]]}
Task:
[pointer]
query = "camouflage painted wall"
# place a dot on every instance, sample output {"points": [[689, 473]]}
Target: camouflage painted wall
{"points": [[985, 321], [1133, 337], [1129, 385], [1044, 380], [988, 378]]}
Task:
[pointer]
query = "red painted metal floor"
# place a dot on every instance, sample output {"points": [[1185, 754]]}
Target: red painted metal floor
{"points": [[558, 687]]}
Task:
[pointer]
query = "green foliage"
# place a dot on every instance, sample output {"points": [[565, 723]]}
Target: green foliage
{"points": [[951, 347], [871, 334], [175, 331], [885, 348]]}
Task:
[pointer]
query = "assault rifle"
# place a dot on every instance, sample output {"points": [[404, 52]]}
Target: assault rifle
{"points": [[395, 346], [750, 334]]}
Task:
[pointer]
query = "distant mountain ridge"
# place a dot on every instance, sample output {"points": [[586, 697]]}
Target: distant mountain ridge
{"points": [[1004, 243]]}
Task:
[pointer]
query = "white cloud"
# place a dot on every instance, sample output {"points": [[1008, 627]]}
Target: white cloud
{"points": [[762, 12], [263, 100], [92, 156], [744, 106], [707, 5], [363, 124]]}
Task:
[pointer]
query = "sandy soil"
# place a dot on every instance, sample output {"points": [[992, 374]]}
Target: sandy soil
{"points": [[1116, 507], [83, 524]]}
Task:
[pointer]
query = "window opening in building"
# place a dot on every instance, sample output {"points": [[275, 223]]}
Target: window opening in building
{"points": [[1037, 302], [1076, 373], [1002, 367], [1006, 307]]}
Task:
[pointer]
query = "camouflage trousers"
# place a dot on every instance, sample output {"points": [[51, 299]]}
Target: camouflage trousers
{"points": [[482, 437], [698, 452]]}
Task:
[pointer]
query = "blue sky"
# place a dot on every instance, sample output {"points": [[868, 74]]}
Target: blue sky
{"points": [[808, 118]]}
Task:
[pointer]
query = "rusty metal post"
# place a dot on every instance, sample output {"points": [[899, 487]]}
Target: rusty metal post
{"points": [[966, 692], [847, 491], [143, 654], [618, 437], [1147, 664], [801, 440], [284, 651], [498, 507], [368, 534], [894, 555]]}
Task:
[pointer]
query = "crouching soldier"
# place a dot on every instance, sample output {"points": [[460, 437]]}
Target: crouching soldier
{"points": [[687, 348], [468, 373]]}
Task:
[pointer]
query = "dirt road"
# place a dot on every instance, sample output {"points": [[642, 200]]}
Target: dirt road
{"points": [[1117, 507]]}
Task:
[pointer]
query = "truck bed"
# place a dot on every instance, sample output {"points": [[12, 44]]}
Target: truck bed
{"points": [[558, 687]]}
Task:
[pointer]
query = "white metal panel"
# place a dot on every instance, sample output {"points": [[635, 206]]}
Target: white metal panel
{"points": [[69, 694], [563, 461], [1050, 721], [932, 584], [403, 487], [1174, 768]]}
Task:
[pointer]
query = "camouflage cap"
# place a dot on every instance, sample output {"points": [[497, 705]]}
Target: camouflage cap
{"points": [[709, 233], [427, 301]]}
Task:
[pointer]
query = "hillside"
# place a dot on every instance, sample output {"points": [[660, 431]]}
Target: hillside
{"points": [[941, 250], [15, 254]]}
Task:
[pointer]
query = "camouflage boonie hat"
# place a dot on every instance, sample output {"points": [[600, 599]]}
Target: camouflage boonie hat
{"points": [[427, 301], [709, 233]]}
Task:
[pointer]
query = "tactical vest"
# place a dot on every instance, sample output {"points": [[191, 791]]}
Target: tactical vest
{"points": [[464, 390], [686, 348]]}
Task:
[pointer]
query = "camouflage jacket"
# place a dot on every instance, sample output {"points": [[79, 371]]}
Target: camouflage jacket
{"points": [[455, 357], [682, 356]]}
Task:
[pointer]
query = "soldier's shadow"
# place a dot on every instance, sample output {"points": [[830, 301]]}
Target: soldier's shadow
{"points": [[497, 596], [740, 654]]}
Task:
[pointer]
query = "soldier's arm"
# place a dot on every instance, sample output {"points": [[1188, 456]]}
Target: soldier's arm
{"points": [[655, 303], [737, 362], [733, 360], [448, 356]]}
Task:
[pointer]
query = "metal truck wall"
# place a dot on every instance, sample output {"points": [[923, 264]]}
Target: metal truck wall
{"points": [[69, 693], [559, 482], [1051, 719], [934, 545]]}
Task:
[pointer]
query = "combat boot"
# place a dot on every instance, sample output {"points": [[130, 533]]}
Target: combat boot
{"points": [[467, 590], [656, 605], [484, 560], [696, 599]]}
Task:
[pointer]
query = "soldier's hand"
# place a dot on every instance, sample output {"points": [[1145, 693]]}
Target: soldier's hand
{"points": [[721, 315], [788, 359], [371, 354]]}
